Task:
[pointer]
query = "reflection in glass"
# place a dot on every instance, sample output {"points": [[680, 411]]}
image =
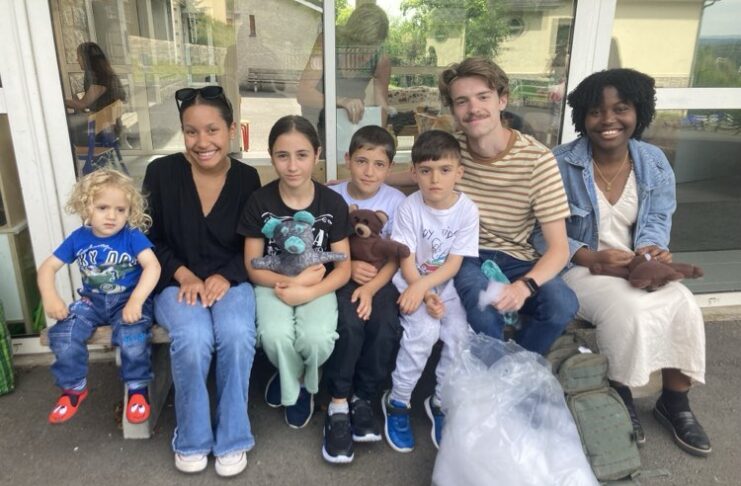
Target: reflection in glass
{"points": [[275, 42], [363, 71], [154, 48], [531, 45], [703, 149], [692, 44]]}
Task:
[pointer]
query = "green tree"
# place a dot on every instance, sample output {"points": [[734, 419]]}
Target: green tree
{"points": [[342, 11], [406, 43], [482, 22]]}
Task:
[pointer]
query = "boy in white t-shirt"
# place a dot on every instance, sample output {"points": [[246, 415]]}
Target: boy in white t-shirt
{"points": [[440, 226], [368, 318]]}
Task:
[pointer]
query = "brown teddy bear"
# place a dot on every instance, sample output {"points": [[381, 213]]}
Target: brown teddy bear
{"points": [[644, 272], [366, 244]]}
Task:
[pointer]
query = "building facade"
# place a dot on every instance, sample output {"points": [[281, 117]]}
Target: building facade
{"points": [[269, 54]]}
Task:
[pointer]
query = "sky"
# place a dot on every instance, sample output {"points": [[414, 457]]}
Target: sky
{"points": [[722, 19]]}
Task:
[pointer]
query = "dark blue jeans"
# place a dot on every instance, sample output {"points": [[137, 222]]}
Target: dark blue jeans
{"points": [[68, 339], [549, 311]]}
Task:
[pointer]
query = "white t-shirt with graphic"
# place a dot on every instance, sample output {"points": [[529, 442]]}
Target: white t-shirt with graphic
{"points": [[433, 234], [387, 199]]}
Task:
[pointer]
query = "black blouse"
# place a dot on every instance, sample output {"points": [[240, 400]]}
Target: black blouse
{"points": [[182, 235]]}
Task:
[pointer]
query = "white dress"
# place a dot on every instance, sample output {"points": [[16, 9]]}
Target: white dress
{"points": [[640, 332]]}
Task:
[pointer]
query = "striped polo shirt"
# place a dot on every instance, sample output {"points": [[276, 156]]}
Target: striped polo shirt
{"points": [[520, 185]]}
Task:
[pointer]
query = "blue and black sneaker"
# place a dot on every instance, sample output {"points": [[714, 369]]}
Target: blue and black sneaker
{"points": [[299, 414], [437, 417], [337, 447], [272, 391], [397, 426]]}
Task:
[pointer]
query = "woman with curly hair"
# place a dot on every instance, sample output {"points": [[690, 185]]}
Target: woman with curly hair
{"points": [[621, 194]]}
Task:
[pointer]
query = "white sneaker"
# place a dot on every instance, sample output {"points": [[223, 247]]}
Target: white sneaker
{"points": [[231, 464], [191, 464]]}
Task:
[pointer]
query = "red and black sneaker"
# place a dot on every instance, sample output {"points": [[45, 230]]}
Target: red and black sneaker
{"points": [[137, 410], [66, 406]]}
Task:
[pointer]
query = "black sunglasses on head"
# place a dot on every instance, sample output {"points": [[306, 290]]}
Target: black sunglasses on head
{"points": [[186, 95]]}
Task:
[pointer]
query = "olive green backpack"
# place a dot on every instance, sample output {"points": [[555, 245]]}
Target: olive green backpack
{"points": [[600, 415]]}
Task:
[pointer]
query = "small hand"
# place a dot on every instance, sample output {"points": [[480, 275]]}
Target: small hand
{"points": [[292, 294], [512, 297], [364, 297], [410, 300], [362, 272], [190, 288], [311, 275], [132, 312], [354, 108], [618, 258], [658, 254], [215, 288], [434, 305], [56, 308]]}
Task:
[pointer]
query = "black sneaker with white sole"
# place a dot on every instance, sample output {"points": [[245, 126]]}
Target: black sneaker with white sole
{"points": [[364, 426], [337, 447]]}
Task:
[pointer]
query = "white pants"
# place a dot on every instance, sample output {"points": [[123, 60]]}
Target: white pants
{"points": [[421, 333]]}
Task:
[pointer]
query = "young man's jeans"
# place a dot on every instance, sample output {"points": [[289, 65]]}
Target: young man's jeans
{"points": [[227, 329], [68, 339], [549, 311], [365, 352]]}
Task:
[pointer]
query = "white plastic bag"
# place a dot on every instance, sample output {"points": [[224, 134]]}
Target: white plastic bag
{"points": [[506, 421]]}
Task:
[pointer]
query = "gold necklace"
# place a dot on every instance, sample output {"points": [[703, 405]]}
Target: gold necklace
{"points": [[609, 183]]}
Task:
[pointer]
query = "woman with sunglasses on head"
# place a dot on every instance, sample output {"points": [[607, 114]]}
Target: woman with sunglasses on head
{"points": [[204, 298], [621, 193]]}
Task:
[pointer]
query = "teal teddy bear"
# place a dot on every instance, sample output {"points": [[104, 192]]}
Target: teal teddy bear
{"points": [[294, 238]]}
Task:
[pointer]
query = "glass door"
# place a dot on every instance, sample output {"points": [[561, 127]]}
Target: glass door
{"points": [[153, 48]]}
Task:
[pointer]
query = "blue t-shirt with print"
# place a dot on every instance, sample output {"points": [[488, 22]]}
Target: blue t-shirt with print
{"points": [[108, 265]]}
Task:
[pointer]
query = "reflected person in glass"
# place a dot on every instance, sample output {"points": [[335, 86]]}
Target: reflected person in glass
{"points": [[102, 87], [621, 193], [360, 60]]}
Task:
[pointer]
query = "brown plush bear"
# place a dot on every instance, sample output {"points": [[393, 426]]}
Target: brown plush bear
{"points": [[366, 244], [643, 272]]}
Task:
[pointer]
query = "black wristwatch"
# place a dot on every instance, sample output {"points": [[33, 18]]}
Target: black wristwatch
{"points": [[530, 283]]}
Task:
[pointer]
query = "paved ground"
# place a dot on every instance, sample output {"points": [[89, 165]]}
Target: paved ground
{"points": [[90, 450]]}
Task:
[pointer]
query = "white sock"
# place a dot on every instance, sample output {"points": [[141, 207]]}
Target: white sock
{"points": [[80, 386], [338, 408]]}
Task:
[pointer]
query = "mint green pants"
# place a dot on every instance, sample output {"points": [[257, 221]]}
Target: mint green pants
{"points": [[297, 340]]}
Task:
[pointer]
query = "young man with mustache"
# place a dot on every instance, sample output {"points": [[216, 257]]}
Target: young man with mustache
{"points": [[515, 182]]}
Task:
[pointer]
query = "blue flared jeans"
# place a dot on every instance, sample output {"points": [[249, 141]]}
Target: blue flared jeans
{"points": [[225, 331]]}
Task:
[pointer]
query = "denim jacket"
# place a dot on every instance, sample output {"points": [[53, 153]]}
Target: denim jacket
{"points": [[656, 196]]}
